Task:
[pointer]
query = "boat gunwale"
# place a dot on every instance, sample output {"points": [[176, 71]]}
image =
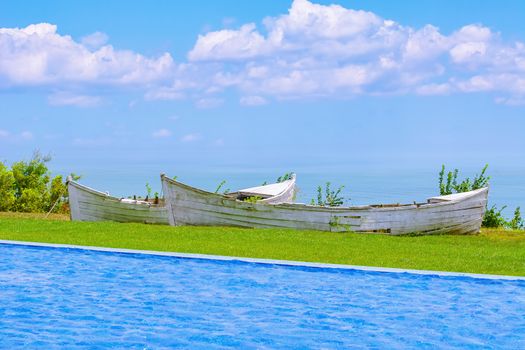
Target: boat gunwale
{"points": [[110, 197]]}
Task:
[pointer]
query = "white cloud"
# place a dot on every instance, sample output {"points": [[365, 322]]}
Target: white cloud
{"points": [[476, 83], [95, 40], [228, 44], [329, 50], [164, 93], [39, 55], [69, 99], [434, 89], [161, 133], [4, 134], [465, 52], [473, 32], [191, 137], [313, 50], [252, 101]]}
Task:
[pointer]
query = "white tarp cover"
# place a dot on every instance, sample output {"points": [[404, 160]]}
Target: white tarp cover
{"points": [[266, 190], [453, 196]]}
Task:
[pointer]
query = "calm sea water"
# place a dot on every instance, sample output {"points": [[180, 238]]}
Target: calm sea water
{"points": [[364, 184], [68, 298]]}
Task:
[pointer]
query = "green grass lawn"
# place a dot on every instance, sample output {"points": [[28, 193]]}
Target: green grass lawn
{"points": [[492, 251]]}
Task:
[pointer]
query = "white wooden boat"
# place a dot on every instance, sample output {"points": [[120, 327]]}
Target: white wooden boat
{"points": [[460, 213], [87, 204]]}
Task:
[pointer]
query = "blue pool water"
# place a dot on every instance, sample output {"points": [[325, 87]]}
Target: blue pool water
{"points": [[69, 298]]}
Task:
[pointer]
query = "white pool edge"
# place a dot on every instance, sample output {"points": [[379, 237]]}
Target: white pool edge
{"points": [[267, 261]]}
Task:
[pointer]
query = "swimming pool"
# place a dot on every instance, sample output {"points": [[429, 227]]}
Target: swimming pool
{"points": [[73, 298]]}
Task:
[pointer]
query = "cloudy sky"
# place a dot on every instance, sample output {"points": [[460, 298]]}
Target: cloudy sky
{"points": [[268, 82]]}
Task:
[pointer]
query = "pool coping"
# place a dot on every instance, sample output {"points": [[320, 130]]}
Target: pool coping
{"points": [[267, 261]]}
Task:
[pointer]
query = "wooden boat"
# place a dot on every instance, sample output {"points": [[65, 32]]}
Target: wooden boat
{"points": [[87, 204], [459, 213]]}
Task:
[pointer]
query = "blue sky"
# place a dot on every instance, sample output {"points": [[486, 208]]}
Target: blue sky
{"points": [[372, 84]]}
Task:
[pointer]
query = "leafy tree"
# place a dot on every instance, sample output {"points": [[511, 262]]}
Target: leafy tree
{"points": [[28, 187], [32, 201], [31, 184], [7, 188], [59, 195]]}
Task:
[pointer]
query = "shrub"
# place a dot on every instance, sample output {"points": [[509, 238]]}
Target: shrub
{"points": [[252, 199], [466, 185], [517, 222], [331, 198], [32, 201], [58, 194], [219, 187], [494, 218], [31, 184], [284, 177], [148, 190], [28, 187], [7, 188]]}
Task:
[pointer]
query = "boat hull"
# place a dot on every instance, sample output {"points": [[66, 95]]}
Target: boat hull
{"points": [[87, 204], [191, 206]]}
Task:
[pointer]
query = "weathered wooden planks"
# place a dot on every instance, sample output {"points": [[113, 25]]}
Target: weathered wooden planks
{"points": [[455, 214], [87, 204]]}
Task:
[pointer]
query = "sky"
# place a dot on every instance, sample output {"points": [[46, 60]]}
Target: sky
{"points": [[263, 84]]}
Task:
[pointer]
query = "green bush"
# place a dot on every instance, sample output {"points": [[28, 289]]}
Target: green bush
{"points": [[28, 187], [220, 186], [32, 201], [252, 199], [451, 185], [7, 188], [331, 198], [494, 218], [517, 222], [58, 194], [284, 177]]}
